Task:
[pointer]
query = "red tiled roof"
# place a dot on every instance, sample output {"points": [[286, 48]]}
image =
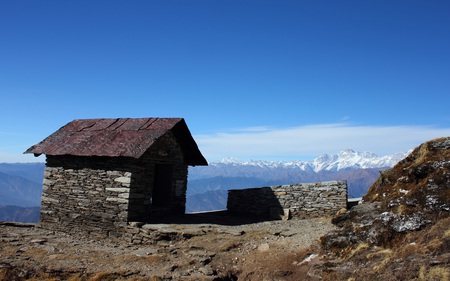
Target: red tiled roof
{"points": [[127, 137]]}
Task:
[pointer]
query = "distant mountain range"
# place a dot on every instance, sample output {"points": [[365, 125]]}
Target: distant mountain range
{"points": [[210, 183], [19, 214], [21, 183], [20, 191], [344, 160]]}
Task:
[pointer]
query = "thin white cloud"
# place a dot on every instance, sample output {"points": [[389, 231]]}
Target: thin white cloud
{"points": [[20, 158], [254, 129], [307, 142]]}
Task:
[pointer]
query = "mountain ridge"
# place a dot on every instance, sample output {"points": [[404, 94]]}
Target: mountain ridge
{"points": [[19, 191], [266, 171], [347, 158], [360, 169]]}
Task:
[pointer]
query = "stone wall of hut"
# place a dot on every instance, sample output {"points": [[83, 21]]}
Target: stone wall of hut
{"points": [[100, 195], [304, 200]]}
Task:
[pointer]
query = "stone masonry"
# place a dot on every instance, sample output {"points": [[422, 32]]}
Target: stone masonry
{"points": [[303, 200], [99, 209], [100, 195]]}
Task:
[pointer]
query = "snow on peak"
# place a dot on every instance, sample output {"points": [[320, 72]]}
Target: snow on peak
{"points": [[230, 160], [348, 158], [351, 159]]}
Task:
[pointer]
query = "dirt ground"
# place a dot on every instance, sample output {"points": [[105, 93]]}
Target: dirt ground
{"points": [[229, 250]]}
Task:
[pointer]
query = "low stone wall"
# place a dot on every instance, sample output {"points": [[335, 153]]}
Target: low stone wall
{"points": [[303, 200]]}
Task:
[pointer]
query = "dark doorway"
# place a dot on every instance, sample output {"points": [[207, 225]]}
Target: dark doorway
{"points": [[162, 185]]}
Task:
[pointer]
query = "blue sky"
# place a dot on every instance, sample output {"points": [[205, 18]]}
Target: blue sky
{"points": [[263, 80]]}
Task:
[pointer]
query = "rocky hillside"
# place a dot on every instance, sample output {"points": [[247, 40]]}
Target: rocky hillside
{"points": [[402, 230]]}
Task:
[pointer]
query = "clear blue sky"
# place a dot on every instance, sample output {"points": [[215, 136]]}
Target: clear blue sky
{"points": [[275, 80]]}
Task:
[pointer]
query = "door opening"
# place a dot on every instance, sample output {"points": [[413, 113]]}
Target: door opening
{"points": [[162, 185]]}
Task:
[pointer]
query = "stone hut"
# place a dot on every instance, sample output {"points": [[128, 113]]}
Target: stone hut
{"points": [[103, 173]]}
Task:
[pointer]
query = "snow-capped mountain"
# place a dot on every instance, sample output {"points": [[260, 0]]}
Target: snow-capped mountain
{"points": [[210, 183], [353, 159], [343, 160]]}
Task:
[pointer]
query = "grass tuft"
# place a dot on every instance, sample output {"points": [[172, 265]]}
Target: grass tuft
{"points": [[359, 248], [447, 234], [434, 274]]}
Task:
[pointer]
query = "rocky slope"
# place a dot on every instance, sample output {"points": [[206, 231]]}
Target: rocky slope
{"points": [[402, 230]]}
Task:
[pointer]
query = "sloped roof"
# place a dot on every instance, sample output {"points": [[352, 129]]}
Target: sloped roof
{"points": [[127, 137]]}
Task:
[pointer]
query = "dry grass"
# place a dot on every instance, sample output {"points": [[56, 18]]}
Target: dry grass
{"points": [[447, 234], [434, 274], [380, 259], [434, 244], [409, 250], [37, 253], [103, 276], [361, 247], [381, 252], [4, 274], [276, 265], [76, 277], [434, 238], [382, 264]]}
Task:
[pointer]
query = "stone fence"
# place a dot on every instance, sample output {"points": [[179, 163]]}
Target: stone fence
{"points": [[303, 200]]}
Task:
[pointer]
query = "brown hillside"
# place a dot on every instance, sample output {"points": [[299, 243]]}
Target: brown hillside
{"points": [[402, 230], [419, 183]]}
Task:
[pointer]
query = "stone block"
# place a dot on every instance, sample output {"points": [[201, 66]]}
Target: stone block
{"points": [[278, 193], [124, 195], [190, 232], [118, 189], [117, 200], [124, 180], [136, 224], [45, 199]]}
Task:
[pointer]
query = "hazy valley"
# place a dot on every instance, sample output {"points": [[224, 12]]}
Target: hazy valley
{"points": [[21, 183]]}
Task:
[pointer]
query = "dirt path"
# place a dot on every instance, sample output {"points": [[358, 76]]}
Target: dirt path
{"points": [[217, 252]]}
